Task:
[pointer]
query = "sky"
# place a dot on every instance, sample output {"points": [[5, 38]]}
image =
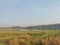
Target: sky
{"points": [[29, 12]]}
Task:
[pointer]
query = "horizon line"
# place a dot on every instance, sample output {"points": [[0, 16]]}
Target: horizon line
{"points": [[30, 25]]}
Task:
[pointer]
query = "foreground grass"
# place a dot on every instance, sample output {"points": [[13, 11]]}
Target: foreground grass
{"points": [[25, 37]]}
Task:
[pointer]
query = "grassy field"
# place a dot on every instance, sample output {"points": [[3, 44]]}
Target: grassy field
{"points": [[30, 37]]}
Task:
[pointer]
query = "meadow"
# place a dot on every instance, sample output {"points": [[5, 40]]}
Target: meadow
{"points": [[30, 37]]}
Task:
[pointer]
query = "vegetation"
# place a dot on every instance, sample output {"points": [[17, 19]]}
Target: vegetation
{"points": [[30, 37], [36, 27]]}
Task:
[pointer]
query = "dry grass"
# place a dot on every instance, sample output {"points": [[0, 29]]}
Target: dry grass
{"points": [[35, 37]]}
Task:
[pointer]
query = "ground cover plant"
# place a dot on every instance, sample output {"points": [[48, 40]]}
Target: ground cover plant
{"points": [[30, 37]]}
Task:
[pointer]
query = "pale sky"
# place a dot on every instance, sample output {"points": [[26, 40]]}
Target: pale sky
{"points": [[29, 12]]}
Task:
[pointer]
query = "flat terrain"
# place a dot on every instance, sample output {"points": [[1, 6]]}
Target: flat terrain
{"points": [[30, 37]]}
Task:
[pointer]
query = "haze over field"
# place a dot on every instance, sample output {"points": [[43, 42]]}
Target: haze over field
{"points": [[29, 12]]}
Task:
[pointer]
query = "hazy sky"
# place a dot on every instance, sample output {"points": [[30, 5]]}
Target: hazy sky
{"points": [[29, 12]]}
